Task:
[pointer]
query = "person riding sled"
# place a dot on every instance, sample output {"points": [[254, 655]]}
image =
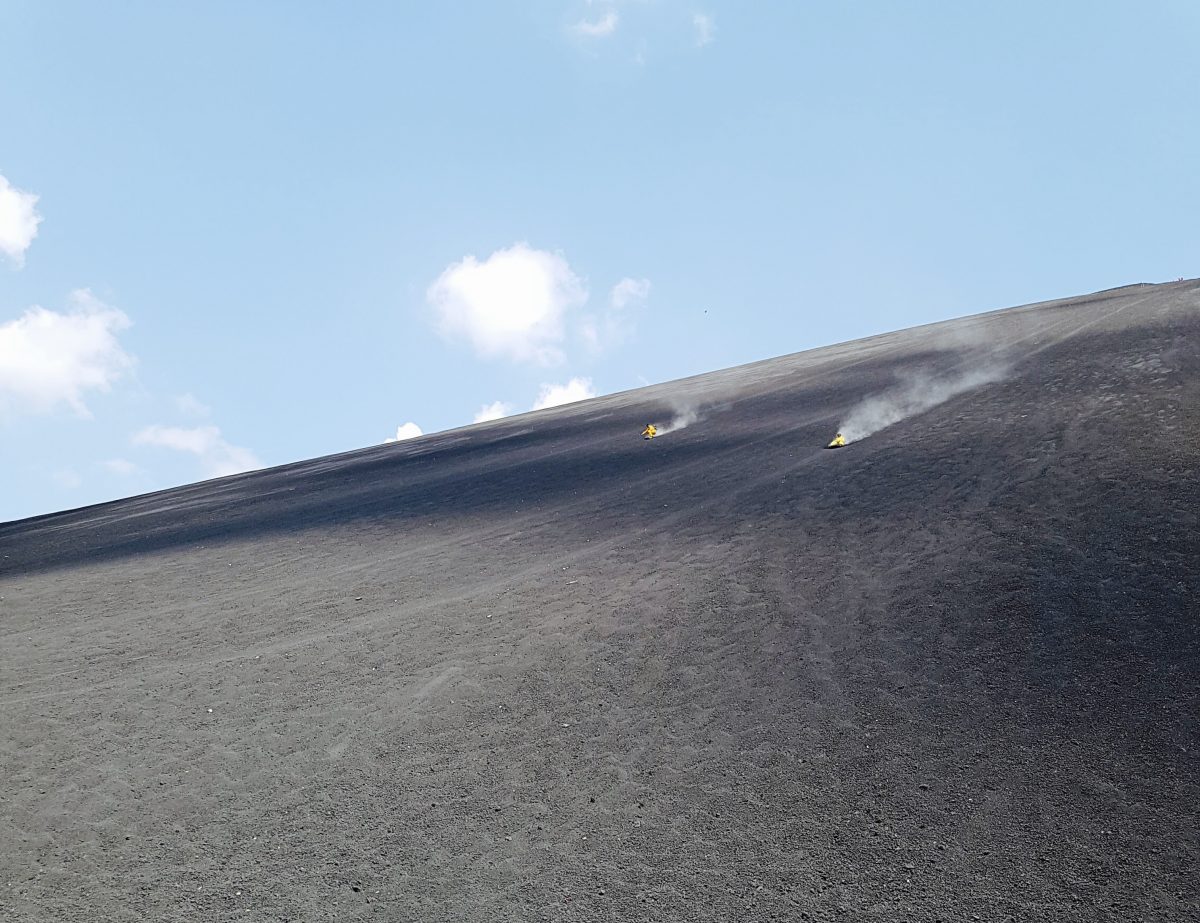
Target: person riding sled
{"points": [[650, 431]]}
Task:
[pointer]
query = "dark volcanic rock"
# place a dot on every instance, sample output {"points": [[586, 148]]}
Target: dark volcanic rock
{"points": [[540, 669]]}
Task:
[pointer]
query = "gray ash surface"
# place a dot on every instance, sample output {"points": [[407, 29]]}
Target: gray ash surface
{"points": [[542, 669]]}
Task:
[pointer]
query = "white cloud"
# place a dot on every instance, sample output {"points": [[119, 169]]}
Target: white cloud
{"points": [[601, 332], [122, 467], [197, 440], [704, 28], [409, 430], [19, 221], [512, 304], [603, 27], [48, 358], [492, 411], [191, 406], [629, 291], [217, 456], [577, 389]]}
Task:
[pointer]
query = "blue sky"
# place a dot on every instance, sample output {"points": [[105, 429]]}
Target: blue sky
{"points": [[240, 234]]}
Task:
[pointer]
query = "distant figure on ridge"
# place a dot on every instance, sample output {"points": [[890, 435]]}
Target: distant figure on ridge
{"points": [[649, 432]]}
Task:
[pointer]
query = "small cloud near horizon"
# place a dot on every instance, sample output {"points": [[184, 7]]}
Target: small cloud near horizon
{"points": [[19, 220], [408, 430], [493, 411], [217, 456], [577, 389], [704, 29]]}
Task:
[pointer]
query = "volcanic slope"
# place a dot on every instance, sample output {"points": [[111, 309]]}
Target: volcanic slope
{"points": [[541, 669]]}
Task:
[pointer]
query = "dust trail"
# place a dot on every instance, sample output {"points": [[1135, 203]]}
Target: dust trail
{"points": [[915, 394], [685, 416]]}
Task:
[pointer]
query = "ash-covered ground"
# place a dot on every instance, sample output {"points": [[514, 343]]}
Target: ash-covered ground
{"points": [[541, 669]]}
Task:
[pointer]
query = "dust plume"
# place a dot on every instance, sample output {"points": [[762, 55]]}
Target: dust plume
{"points": [[684, 416], [915, 394]]}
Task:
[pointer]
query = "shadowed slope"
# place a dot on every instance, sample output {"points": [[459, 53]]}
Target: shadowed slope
{"points": [[540, 669]]}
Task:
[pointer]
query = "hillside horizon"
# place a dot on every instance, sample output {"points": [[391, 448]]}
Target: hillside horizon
{"points": [[623, 393]]}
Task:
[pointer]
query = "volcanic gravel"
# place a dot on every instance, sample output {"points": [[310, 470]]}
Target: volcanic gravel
{"points": [[541, 669]]}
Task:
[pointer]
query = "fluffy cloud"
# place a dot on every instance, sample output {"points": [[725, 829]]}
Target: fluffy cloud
{"points": [[512, 304], [616, 324], [409, 430], [492, 411], [704, 29], [603, 27], [48, 358], [19, 221], [577, 389], [217, 456]]}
